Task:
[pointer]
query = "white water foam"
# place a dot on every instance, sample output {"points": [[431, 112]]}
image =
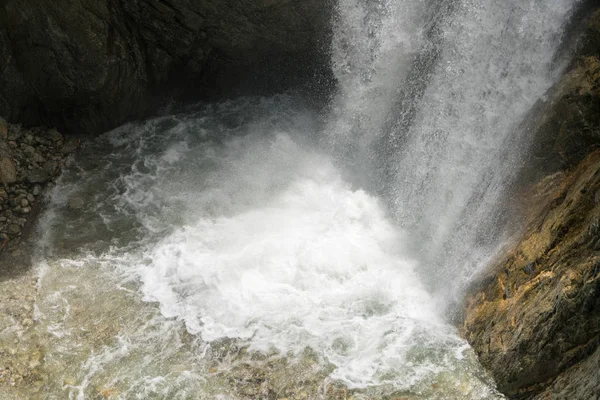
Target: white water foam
{"points": [[248, 232], [315, 264]]}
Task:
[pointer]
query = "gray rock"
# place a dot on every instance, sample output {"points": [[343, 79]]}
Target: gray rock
{"points": [[14, 229], [37, 190], [38, 175], [51, 167], [37, 158], [54, 135], [29, 151], [8, 172]]}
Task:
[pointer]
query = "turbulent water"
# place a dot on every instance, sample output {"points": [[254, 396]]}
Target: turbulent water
{"points": [[258, 248]]}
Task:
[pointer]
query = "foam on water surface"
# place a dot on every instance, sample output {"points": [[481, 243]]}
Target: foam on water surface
{"points": [[242, 231]]}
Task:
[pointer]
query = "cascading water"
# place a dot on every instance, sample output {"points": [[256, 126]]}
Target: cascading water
{"points": [[217, 243], [431, 106]]}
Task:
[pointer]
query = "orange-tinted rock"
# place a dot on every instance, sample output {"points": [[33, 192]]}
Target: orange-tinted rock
{"points": [[538, 312]]}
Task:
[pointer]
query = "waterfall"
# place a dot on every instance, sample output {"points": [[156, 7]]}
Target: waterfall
{"points": [[257, 234], [429, 111]]}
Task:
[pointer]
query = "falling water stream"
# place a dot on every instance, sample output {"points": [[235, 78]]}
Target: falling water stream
{"points": [[259, 248]]}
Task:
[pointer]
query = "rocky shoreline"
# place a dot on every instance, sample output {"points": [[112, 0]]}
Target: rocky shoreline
{"points": [[30, 160]]}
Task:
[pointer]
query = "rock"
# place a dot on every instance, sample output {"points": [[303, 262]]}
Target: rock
{"points": [[50, 167], [16, 201], [37, 158], [87, 78], [24, 202], [566, 126], [54, 135], [14, 229], [29, 151], [3, 129], [37, 190], [38, 175], [75, 203], [537, 313], [8, 172]]}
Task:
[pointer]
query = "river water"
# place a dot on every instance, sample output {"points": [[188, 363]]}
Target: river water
{"points": [[262, 248]]}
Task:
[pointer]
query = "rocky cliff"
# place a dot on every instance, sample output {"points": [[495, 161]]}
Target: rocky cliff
{"points": [[534, 320], [86, 66]]}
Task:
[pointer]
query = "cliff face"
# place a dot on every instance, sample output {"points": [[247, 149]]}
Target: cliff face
{"points": [[534, 320], [86, 66]]}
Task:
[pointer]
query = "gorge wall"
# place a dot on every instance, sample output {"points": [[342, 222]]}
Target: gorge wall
{"points": [[534, 320], [88, 66]]}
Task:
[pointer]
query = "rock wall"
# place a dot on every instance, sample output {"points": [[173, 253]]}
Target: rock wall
{"points": [[85, 66], [534, 319]]}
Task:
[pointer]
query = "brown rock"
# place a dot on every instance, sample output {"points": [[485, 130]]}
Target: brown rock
{"points": [[538, 312], [8, 172]]}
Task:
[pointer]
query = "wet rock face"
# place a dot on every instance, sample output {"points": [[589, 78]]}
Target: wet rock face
{"points": [[87, 66], [568, 128], [534, 319], [537, 315]]}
